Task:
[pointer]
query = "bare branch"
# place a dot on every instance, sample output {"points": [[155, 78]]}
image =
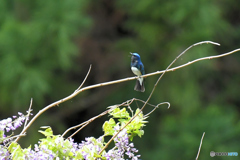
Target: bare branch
{"points": [[200, 146], [79, 90], [191, 62]]}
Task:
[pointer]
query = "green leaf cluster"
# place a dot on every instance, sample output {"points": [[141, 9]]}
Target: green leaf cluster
{"points": [[122, 116], [61, 148], [55, 143]]}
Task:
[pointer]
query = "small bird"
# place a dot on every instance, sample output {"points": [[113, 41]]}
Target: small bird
{"points": [[138, 69]]}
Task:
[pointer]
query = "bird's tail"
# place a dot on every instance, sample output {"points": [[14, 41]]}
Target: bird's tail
{"points": [[139, 87]]}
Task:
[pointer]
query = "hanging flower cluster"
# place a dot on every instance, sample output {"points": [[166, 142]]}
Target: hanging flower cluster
{"points": [[56, 147]]}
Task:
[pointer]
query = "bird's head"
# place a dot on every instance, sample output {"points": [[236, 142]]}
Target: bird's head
{"points": [[135, 56]]}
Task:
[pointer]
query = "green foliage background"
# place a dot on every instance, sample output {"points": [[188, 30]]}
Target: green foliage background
{"points": [[46, 48]]}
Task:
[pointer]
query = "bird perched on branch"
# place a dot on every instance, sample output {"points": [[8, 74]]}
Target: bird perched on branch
{"points": [[138, 69]]}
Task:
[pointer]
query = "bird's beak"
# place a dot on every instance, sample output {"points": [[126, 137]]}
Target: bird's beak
{"points": [[131, 53]]}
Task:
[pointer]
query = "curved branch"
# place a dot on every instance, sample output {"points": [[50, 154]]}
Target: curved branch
{"points": [[157, 107]]}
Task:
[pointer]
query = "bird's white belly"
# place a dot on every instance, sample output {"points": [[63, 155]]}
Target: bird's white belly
{"points": [[136, 71]]}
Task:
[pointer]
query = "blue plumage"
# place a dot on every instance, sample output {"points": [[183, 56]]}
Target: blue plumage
{"points": [[138, 69]]}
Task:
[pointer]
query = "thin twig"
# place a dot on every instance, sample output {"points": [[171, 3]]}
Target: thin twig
{"points": [[28, 115], [199, 149], [8, 139], [74, 127], [157, 107], [19, 135], [94, 118], [147, 103], [84, 79], [81, 128], [84, 123], [129, 107]]}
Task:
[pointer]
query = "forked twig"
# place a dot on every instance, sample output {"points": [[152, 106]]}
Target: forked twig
{"points": [[126, 103], [93, 118]]}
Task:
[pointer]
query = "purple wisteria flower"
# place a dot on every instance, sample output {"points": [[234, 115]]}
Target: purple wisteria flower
{"points": [[10, 124], [122, 147], [56, 147], [4, 154]]}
